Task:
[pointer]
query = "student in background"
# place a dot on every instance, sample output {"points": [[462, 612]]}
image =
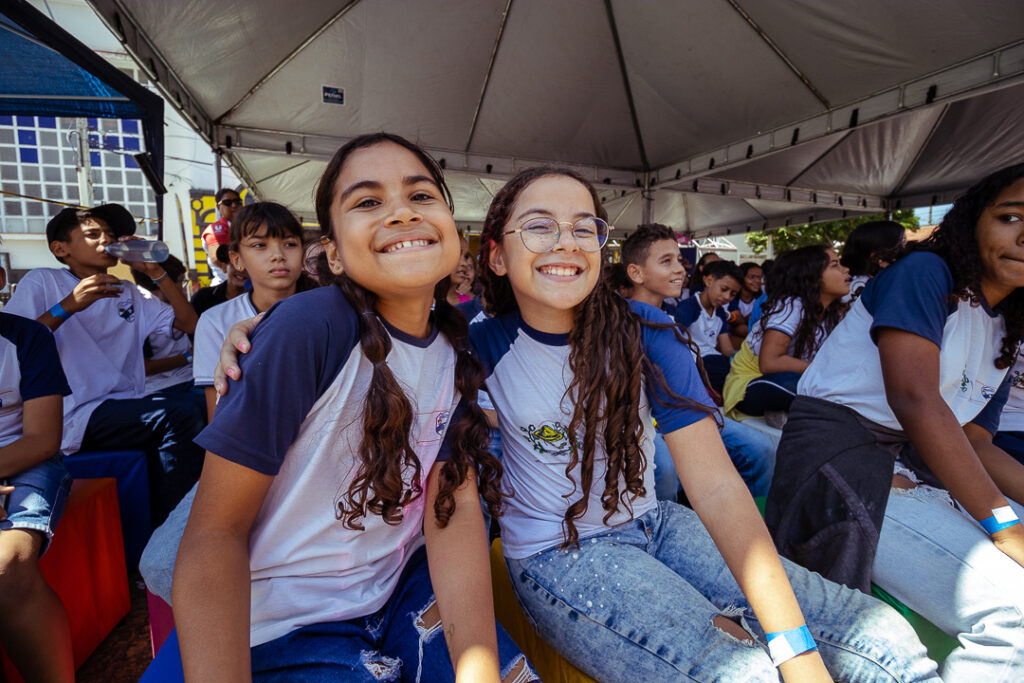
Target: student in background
{"points": [[890, 440], [33, 488], [217, 233], [706, 319], [742, 305], [235, 284], [655, 271], [101, 324], [804, 304], [266, 244], [461, 281], [871, 247]]}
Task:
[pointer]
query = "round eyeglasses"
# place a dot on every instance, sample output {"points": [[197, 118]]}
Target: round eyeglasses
{"points": [[540, 235]]}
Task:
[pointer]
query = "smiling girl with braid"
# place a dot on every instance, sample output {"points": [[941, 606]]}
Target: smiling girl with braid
{"points": [[325, 476]]}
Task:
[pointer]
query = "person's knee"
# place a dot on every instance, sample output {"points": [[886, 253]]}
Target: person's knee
{"points": [[19, 566]]}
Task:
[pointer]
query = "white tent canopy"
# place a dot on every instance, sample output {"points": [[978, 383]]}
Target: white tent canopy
{"points": [[712, 116]]}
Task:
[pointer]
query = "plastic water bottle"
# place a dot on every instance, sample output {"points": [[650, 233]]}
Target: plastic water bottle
{"points": [[153, 251]]}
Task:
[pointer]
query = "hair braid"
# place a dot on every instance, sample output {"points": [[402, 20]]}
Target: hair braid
{"points": [[470, 435], [378, 486]]}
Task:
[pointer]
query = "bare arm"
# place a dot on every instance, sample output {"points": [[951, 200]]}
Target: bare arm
{"points": [[725, 345], [723, 503], [1006, 472], [42, 427], [460, 571], [88, 291], [154, 366], [774, 356], [910, 369], [211, 576]]}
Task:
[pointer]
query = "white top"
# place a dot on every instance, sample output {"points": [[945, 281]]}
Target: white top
{"points": [[212, 330], [910, 295], [100, 347], [1012, 419], [297, 415], [785, 320], [528, 376], [29, 368], [166, 346]]}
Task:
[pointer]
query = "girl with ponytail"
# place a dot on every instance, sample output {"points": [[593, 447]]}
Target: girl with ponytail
{"points": [[328, 471]]}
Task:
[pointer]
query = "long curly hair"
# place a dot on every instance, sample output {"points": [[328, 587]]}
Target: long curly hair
{"points": [[608, 367], [956, 241], [386, 451], [797, 275]]}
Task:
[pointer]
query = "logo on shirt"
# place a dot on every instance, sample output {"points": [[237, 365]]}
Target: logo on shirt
{"points": [[1017, 379], [441, 422], [127, 311], [550, 438], [965, 383], [987, 392]]}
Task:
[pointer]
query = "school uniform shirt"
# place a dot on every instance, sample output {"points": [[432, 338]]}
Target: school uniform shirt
{"points": [[1012, 419], [528, 375], [786, 320], [29, 368], [166, 346], [100, 347], [212, 330], [744, 307], [704, 327], [297, 415], [912, 295]]}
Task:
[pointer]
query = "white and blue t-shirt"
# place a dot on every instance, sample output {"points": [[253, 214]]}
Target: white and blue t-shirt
{"points": [[298, 415], [786, 319], [1013, 412], [29, 368], [528, 377], [100, 347], [913, 295], [212, 330], [703, 327]]}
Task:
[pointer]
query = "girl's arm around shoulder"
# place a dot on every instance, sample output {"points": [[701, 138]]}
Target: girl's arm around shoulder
{"points": [[723, 503], [460, 572], [211, 577]]}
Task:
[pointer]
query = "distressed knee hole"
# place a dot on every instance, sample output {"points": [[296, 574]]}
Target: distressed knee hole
{"points": [[429, 618], [724, 623], [381, 667], [519, 672]]}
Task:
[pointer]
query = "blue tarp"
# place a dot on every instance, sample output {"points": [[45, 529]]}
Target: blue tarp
{"points": [[44, 71]]}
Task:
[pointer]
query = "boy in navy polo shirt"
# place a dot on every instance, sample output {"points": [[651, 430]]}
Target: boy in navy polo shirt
{"points": [[33, 487], [100, 324]]}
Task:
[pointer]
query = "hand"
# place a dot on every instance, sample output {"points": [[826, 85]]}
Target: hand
{"points": [[4, 490], [90, 290], [235, 343], [1011, 542], [151, 270]]}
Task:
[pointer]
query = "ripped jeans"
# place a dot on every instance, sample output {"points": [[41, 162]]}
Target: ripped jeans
{"points": [[637, 603], [940, 563], [400, 642]]}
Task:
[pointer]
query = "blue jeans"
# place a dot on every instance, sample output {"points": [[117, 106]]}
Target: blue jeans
{"points": [[38, 499], [940, 563], [637, 603], [161, 425], [399, 642], [752, 454]]}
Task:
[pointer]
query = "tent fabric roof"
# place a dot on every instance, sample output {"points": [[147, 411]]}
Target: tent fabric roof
{"points": [[47, 72], [731, 114]]}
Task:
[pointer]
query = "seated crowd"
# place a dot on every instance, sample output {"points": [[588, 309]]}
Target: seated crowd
{"points": [[322, 507]]}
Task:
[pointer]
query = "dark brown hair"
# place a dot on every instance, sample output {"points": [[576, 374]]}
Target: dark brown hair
{"points": [[386, 451], [607, 361], [956, 241]]}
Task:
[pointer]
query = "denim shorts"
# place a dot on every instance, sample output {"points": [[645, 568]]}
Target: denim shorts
{"points": [[37, 501]]}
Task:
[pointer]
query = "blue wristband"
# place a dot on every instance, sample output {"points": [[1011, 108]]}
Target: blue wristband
{"points": [[1001, 518], [57, 311], [784, 645], [188, 356]]}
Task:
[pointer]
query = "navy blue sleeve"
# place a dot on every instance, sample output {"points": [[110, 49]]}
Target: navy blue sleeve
{"points": [[297, 351], [911, 295], [492, 338], [470, 309], [665, 350], [988, 418], [724, 318], [688, 311], [38, 360]]}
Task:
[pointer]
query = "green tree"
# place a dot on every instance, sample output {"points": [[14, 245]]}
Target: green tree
{"points": [[831, 232]]}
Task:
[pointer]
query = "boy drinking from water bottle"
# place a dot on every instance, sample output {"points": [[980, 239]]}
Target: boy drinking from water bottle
{"points": [[100, 324]]}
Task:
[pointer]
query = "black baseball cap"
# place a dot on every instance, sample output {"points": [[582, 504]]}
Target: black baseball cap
{"points": [[114, 215]]}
